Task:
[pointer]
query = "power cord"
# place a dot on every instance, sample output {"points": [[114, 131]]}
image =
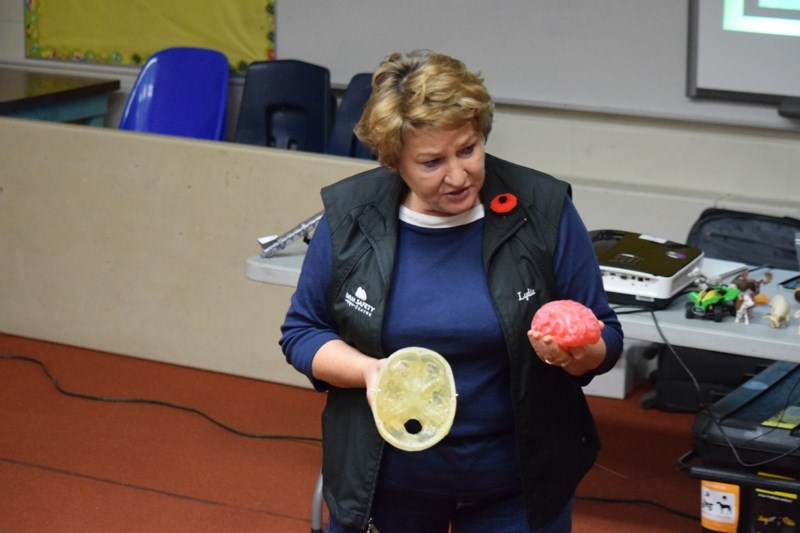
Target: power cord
{"points": [[147, 401], [635, 501], [638, 501]]}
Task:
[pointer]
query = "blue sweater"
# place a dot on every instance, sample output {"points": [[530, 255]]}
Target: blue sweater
{"points": [[441, 301]]}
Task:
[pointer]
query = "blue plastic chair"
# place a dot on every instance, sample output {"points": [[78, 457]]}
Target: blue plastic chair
{"points": [[286, 103], [180, 91], [343, 141]]}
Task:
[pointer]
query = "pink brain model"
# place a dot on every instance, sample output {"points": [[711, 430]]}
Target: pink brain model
{"points": [[570, 323]]}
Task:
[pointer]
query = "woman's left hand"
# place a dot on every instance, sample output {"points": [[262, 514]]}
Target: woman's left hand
{"points": [[575, 360]]}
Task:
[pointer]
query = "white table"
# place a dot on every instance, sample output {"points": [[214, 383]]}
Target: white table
{"points": [[756, 339]]}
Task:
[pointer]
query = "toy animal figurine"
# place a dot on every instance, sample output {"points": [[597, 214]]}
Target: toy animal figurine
{"points": [[744, 283], [778, 315], [744, 307]]}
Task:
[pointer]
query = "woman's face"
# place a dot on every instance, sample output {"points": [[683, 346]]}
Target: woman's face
{"points": [[443, 168]]}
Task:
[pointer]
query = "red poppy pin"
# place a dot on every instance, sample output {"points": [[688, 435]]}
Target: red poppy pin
{"points": [[503, 203]]}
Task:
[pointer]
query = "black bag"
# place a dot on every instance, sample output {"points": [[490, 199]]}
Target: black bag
{"points": [[748, 238]]}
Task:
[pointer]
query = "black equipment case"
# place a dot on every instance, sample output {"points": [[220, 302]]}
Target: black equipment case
{"points": [[750, 441]]}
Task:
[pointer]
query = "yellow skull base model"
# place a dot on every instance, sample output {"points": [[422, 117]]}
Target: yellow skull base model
{"points": [[415, 400]]}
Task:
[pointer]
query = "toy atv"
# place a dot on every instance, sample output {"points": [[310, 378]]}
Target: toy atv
{"points": [[714, 302]]}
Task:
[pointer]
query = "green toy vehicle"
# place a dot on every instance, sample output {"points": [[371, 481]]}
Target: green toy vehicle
{"points": [[714, 302]]}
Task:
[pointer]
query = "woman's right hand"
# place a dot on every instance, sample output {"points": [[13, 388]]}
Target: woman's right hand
{"points": [[341, 365]]}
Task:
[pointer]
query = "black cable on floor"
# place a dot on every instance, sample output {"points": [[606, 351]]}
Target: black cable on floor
{"points": [[640, 502], [147, 401]]}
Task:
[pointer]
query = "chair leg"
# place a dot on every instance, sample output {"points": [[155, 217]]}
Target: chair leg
{"points": [[316, 507]]}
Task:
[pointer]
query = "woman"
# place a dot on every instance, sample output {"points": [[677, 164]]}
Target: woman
{"points": [[448, 248]]}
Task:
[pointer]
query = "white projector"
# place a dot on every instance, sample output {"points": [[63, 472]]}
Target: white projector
{"points": [[643, 270]]}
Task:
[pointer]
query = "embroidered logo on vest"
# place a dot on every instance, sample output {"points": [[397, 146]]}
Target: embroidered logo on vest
{"points": [[359, 302], [525, 295]]}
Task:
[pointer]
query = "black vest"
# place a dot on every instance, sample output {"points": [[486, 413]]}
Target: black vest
{"points": [[556, 436]]}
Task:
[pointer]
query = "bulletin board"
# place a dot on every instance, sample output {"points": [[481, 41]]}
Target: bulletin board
{"points": [[127, 32]]}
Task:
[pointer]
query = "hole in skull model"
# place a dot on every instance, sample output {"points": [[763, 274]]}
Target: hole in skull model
{"points": [[413, 426]]}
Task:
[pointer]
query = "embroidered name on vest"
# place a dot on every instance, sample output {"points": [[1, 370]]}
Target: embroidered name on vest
{"points": [[525, 295], [359, 302]]}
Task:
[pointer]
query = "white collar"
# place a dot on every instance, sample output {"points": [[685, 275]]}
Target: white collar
{"points": [[435, 221]]}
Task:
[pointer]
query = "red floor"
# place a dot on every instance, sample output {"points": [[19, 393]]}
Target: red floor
{"points": [[73, 464]]}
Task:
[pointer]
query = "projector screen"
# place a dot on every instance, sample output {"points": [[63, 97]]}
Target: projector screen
{"points": [[747, 50]]}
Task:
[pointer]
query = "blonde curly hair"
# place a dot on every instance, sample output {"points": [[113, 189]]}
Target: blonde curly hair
{"points": [[416, 89]]}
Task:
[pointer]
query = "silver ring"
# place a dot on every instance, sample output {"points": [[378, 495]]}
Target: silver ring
{"points": [[548, 361]]}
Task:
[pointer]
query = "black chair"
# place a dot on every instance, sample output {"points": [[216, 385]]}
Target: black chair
{"points": [[343, 141], [287, 104]]}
